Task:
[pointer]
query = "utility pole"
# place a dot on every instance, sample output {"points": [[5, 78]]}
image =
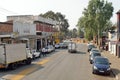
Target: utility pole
{"points": [[118, 33]]}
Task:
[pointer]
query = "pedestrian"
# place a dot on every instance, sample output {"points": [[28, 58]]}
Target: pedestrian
{"points": [[107, 47], [43, 51], [40, 53]]}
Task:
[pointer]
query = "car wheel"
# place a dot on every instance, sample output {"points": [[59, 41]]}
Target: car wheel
{"points": [[108, 73], [88, 50], [93, 72], [90, 62], [39, 56], [33, 57]]}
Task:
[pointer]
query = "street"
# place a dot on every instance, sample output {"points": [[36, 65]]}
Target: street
{"points": [[59, 65]]}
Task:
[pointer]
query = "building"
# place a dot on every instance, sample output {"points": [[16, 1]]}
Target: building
{"points": [[36, 31], [113, 45], [6, 29]]}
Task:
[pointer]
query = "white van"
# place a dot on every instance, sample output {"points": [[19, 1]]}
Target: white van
{"points": [[72, 47]]}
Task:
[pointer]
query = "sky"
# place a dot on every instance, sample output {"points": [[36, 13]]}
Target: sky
{"points": [[72, 9]]}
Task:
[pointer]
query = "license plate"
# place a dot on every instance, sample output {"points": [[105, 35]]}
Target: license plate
{"points": [[101, 71]]}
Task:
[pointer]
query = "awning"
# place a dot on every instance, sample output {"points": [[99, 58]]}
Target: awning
{"points": [[3, 36]]}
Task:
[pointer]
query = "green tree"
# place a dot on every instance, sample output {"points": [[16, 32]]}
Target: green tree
{"points": [[74, 33], [58, 17], [95, 18], [49, 14]]}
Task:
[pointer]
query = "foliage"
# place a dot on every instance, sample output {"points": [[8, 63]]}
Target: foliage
{"points": [[58, 17], [95, 18], [74, 33]]}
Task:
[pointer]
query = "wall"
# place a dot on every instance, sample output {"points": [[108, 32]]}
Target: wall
{"points": [[24, 28], [6, 27]]}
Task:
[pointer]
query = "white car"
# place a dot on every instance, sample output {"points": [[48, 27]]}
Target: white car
{"points": [[51, 48], [57, 46], [48, 50], [36, 54], [63, 45]]}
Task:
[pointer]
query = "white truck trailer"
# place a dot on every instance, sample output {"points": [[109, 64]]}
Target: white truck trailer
{"points": [[12, 55]]}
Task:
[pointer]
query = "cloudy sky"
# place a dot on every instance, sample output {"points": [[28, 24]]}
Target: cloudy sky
{"points": [[72, 9]]}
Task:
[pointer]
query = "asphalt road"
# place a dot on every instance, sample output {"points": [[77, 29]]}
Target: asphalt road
{"points": [[60, 65]]}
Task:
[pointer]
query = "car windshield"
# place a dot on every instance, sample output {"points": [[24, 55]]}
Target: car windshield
{"points": [[101, 61], [46, 47], [91, 46], [96, 50], [96, 54]]}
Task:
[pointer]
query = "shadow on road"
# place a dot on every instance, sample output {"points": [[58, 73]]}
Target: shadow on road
{"points": [[106, 75], [79, 52], [115, 71], [21, 70], [21, 67]]}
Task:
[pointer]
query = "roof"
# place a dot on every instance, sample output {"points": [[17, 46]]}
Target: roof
{"points": [[8, 35]]}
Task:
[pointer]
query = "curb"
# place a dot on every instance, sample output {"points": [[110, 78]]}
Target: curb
{"points": [[116, 77]]}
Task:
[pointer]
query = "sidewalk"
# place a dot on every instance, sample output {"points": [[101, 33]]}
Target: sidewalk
{"points": [[115, 64]]}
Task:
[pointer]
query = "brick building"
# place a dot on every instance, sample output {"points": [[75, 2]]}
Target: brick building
{"points": [[6, 29]]}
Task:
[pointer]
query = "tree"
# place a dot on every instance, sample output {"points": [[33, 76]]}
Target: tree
{"points": [[95, 18], [108, 26], [58, 17], [50, 15], [74, 33]]}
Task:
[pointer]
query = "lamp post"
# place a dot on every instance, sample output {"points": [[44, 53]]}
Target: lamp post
{"points": [[118, 33]]}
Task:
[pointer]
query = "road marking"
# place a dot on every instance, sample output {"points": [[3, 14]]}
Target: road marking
{"points": [[43, 62], [23, 73]]}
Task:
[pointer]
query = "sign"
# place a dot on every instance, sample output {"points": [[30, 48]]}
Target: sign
{"points": [[14, 34]]}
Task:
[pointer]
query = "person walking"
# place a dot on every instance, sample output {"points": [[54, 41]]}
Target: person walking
{"points": [[43, 51]]}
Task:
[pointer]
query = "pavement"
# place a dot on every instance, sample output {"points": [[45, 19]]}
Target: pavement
{"points": [[115, 63]]}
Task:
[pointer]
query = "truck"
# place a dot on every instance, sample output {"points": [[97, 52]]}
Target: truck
{"points": [[13, 55], [72, 47]]}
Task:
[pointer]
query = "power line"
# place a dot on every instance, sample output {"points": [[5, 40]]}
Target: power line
{"points": [[2, 14], [3, 10]]}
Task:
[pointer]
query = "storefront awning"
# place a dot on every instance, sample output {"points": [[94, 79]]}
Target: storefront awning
{"points": [[3, 36]]}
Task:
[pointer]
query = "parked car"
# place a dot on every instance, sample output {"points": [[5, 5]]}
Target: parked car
{"points": [[36, 54], [63, 45], [94, 50], [47, 49], [90, 46], [60, 44], [51, 47], [93, 55], [101, 65], [57, 46]]}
